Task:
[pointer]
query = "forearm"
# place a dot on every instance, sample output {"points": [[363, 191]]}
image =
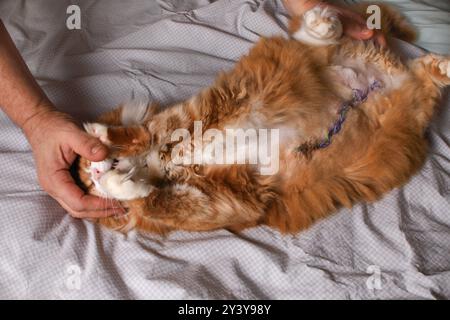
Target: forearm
{"points": [[20, 96]]}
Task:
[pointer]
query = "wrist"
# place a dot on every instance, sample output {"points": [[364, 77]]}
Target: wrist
{"points": [[34, 120], [45, 119]]}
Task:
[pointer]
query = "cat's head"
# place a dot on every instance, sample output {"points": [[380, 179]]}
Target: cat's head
{"points": [[126, 161], [91, 173]]}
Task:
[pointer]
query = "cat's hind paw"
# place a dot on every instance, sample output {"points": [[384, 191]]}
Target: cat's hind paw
{"points": [[321, 26], [444, 67], [438, 67]]}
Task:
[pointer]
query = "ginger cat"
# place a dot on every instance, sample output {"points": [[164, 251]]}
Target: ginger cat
{"points": [[350, 118]]}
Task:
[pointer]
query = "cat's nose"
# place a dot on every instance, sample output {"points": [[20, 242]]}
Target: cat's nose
{"points": [[96, 173]]}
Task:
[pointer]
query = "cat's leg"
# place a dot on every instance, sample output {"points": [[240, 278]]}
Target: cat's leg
{"points": [[192, 206], [188, 207], [432, 72], [180, 207], [320, 26]]}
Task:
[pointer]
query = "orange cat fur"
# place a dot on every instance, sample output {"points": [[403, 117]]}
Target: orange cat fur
{"points": [[281, 83]]}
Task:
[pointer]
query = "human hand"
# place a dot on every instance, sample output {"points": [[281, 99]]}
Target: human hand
{"points": [[355, 26], [353, 23], [56, 140]]}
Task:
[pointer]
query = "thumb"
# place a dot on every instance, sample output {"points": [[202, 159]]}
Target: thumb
{"points": [[88, 147]]}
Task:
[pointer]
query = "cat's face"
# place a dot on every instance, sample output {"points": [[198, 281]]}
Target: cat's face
{"points": [[94, 174], [123, 178], [86, 177], [125, 174]]}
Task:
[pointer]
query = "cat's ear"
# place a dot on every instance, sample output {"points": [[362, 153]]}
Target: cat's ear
{"points": [[99, 131]]}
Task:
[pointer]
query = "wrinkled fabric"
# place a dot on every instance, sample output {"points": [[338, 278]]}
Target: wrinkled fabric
{"points": [[167, 51]]}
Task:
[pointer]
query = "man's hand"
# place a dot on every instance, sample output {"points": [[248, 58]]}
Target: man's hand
{"points": [[354, 24], [56, 140]]}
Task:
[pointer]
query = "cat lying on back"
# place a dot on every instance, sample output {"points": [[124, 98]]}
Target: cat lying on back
{"points": [[351, 119]]}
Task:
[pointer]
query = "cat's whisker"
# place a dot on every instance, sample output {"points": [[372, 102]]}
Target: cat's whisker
{"points": [[129, 175], [119, 147]]}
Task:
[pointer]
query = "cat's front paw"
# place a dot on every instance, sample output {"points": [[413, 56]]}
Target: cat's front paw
{"points": [[99, 131], [321, 26]]}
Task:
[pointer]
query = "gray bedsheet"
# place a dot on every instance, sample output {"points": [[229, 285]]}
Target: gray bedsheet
{"points": [[166, 51]]}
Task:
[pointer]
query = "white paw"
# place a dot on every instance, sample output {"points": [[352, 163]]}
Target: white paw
{"points": [[443, 63], [120, 186], [323, 24], [97, 130], [444, 68]]}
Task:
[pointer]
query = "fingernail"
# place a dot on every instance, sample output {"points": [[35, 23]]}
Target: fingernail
{"points": [[96, 149]]}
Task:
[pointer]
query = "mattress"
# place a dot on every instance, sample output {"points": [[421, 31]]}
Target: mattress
{"points": [[166, 51]]}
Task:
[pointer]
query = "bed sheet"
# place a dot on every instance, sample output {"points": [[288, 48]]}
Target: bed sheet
{"points": [[166, 51]]}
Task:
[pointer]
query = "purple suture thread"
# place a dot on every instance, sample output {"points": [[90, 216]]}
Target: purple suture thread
{"points": [[359, 97]]}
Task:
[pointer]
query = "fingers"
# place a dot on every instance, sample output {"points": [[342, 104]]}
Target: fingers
{"points": [[356, 30], [77, 203], [355, 27], [92, 214], [87, 146], [361, 32]]}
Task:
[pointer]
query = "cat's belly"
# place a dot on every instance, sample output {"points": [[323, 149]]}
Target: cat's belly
{"points": [[356, 73]]}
